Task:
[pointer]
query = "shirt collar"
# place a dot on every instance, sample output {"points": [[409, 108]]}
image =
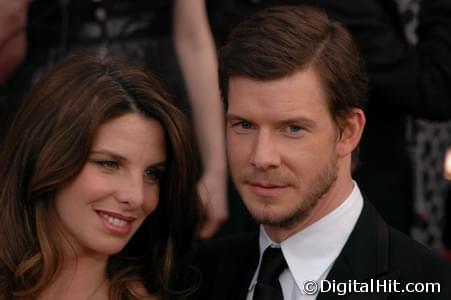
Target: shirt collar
{"points": [[310, 252]]}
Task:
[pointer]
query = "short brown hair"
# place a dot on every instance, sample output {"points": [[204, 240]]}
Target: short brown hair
{"points": [[48, 145], [279, 41]]}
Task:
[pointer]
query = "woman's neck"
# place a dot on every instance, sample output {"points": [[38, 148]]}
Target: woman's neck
{"points": [[80, 279]]}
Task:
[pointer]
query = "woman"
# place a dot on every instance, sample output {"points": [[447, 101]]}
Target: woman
{"points": [[98, 191]]}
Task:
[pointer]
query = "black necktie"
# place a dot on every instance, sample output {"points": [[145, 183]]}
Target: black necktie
{"points": [[268, 286]]}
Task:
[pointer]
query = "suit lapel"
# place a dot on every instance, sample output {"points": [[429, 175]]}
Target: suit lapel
{"points": [[364, 256]]}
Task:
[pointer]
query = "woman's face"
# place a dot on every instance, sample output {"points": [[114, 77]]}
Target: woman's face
{"points": [[117, 188]]}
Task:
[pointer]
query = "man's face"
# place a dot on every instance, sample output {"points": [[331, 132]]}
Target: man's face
{"points": [[281, 143]]}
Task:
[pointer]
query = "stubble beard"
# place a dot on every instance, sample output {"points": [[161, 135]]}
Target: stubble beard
{"points": [[313, 192]]}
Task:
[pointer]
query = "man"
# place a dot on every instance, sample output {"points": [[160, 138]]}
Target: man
{"points": [[294, 85]]}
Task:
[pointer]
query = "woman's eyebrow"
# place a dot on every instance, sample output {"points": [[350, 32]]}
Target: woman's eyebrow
{"points": [[113, 154], [161, 165], [116, 156]]}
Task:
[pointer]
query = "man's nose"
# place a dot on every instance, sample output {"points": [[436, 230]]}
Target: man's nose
{"points": [[265, 154]]}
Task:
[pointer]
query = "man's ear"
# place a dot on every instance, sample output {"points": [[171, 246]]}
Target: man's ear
{"points": [[351, 131]]}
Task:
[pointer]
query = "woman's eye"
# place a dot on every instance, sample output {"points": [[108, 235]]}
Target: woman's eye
{"points": [[108, 164], [154, 175]]}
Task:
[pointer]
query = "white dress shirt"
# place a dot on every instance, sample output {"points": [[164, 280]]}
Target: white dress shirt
{"points": [[311, 252]]}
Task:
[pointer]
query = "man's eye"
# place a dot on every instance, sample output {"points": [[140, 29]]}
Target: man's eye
{"points": [[245, 125], [108, 164], [242, 125], [293, 129]]}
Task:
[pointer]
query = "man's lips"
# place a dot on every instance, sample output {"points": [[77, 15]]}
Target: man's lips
{"points": [[266, 189], [267, 185]]}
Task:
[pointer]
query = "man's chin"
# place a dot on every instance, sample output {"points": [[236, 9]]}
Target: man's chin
{"points": [[273, 213], [282, 220]]}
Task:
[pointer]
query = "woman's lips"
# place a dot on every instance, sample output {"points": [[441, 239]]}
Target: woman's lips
{"points": [[116, 222]]}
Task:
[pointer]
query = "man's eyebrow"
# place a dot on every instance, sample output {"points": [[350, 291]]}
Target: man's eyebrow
{"points": [[232, 117], [301, 120]]}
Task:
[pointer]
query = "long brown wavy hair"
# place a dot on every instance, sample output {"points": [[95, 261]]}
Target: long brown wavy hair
{"points": [[47, 146]]}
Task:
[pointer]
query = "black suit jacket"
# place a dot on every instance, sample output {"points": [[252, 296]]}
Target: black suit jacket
{"points": [[373, 250]]}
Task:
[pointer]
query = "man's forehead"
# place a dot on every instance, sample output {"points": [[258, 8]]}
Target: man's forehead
{"points": [[290, 96], [299, 82]]}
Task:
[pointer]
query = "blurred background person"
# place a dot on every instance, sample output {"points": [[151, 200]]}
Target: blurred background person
{"points": [[195, 49], [13, 42]]}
